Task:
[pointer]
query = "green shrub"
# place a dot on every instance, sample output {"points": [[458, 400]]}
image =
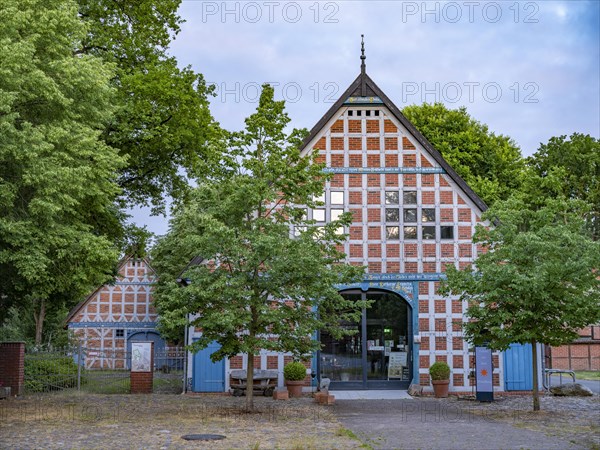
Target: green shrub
{"points": [[49, 373], [294, 371], [439, 371]]}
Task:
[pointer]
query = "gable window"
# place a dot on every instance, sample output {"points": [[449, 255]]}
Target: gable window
{"points": [[428, 215], [391, 198], [392, 215], [410, 215]]}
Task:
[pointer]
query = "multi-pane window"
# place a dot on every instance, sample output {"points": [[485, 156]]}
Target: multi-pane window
{"points": [[447, 232], [392, 232], [409, 197], [392, 197], [392, 215], [428, 232], [336, 213], [428, 215], [336, 197], [410, 232], [410, 215], [120, 333]]}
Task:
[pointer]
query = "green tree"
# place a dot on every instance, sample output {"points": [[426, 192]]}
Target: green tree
{"points": [[537, 281], [260, 287], [162, 124], [57, 177], [491, 164], [568, 168]]}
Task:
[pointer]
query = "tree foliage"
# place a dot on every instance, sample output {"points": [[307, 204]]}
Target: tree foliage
{"points": [[536, 282], [491, 164], [260, 287], [57, 182], [162, 124], [568, 168]]}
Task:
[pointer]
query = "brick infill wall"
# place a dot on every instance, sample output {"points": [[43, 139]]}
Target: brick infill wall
{"points": [[12, 366]]}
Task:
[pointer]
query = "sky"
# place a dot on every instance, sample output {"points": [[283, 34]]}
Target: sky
{"points": [[529, 70]]}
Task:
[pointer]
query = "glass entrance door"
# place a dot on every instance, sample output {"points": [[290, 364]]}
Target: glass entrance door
{"points": [[377, 355]]}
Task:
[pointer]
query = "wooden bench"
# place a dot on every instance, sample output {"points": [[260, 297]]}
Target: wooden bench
{"points": [[265, 382]]}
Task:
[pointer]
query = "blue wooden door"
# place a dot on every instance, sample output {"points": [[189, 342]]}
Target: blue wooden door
{"points": [[517, 368], [208, 376]]}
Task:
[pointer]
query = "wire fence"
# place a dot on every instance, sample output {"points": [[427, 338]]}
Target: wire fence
{"points": [[98, 371]]}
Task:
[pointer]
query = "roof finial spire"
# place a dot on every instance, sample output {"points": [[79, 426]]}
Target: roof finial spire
{"points": [[363, 68]]}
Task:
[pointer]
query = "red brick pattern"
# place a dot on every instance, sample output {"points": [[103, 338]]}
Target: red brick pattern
{"points": [[12, 366]]}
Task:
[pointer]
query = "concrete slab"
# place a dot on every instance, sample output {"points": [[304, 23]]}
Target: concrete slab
{"points": [[371, 395]]}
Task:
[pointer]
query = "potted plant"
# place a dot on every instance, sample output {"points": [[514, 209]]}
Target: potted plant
{"points": [[294, 374], [440, 378]]}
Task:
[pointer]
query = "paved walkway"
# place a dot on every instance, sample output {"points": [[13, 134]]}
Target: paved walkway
{"points": [[428, 423], [371, 395]]}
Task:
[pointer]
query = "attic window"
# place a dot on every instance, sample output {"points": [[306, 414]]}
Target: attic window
{"points": [[359, 112], [350, 112], [377, 112], [120, 333], [368, 112]]}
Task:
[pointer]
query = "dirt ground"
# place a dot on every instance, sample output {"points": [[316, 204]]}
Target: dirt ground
{"points": [[158, 422], [87, 421]]}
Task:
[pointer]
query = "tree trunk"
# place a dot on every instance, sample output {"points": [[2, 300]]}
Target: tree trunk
{"points": [[39, 316], [250, 383], [536, 394]]}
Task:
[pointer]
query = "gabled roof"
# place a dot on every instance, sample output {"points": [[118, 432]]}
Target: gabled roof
{"points": [[363, 87], [82, 303]]}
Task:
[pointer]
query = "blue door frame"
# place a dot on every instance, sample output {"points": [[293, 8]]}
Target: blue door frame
{"points": [[208, 376], [517, 368]]}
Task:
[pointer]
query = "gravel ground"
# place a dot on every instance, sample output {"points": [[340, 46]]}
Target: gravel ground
{"points": [[158, 421], [506, 423]]}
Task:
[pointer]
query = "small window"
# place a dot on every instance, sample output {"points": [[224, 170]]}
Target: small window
{"points": [[359, 112], [319, 215], [409, 197], [120, 333], [446, 232], [391, 198], [392, 232], [319, 198], [428, 215], [410, 215], [336, 213], [392, 215], [377, 112], [337, 198], [298, 230], [368, 113], [410, 232], [428, 232], [350, 112]]}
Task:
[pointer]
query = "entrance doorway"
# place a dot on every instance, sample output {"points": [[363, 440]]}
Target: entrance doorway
{"points": [[378, 353]]}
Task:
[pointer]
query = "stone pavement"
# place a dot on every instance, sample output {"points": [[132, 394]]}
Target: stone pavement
{"points": [[428, 423], [371, 395]]}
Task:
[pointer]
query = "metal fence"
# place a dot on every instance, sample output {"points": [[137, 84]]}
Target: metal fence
{"points": [[98, 371]]}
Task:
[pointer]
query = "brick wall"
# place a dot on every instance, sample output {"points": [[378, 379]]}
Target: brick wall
{"points": [[576, 356], [12, 366]]}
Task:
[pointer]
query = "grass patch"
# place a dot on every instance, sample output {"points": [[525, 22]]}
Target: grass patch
{"points": [[345, 432], [587, 375]]}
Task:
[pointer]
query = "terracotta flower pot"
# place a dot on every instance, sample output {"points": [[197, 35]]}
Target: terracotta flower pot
{"points": [[440, 388], [295, 388]]}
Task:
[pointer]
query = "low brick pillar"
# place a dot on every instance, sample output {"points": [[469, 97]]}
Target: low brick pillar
{"points": [[12, 366], [142, 367]]}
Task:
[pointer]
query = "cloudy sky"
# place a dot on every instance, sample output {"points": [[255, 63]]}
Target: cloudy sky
{"points": [[529, 70]]}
